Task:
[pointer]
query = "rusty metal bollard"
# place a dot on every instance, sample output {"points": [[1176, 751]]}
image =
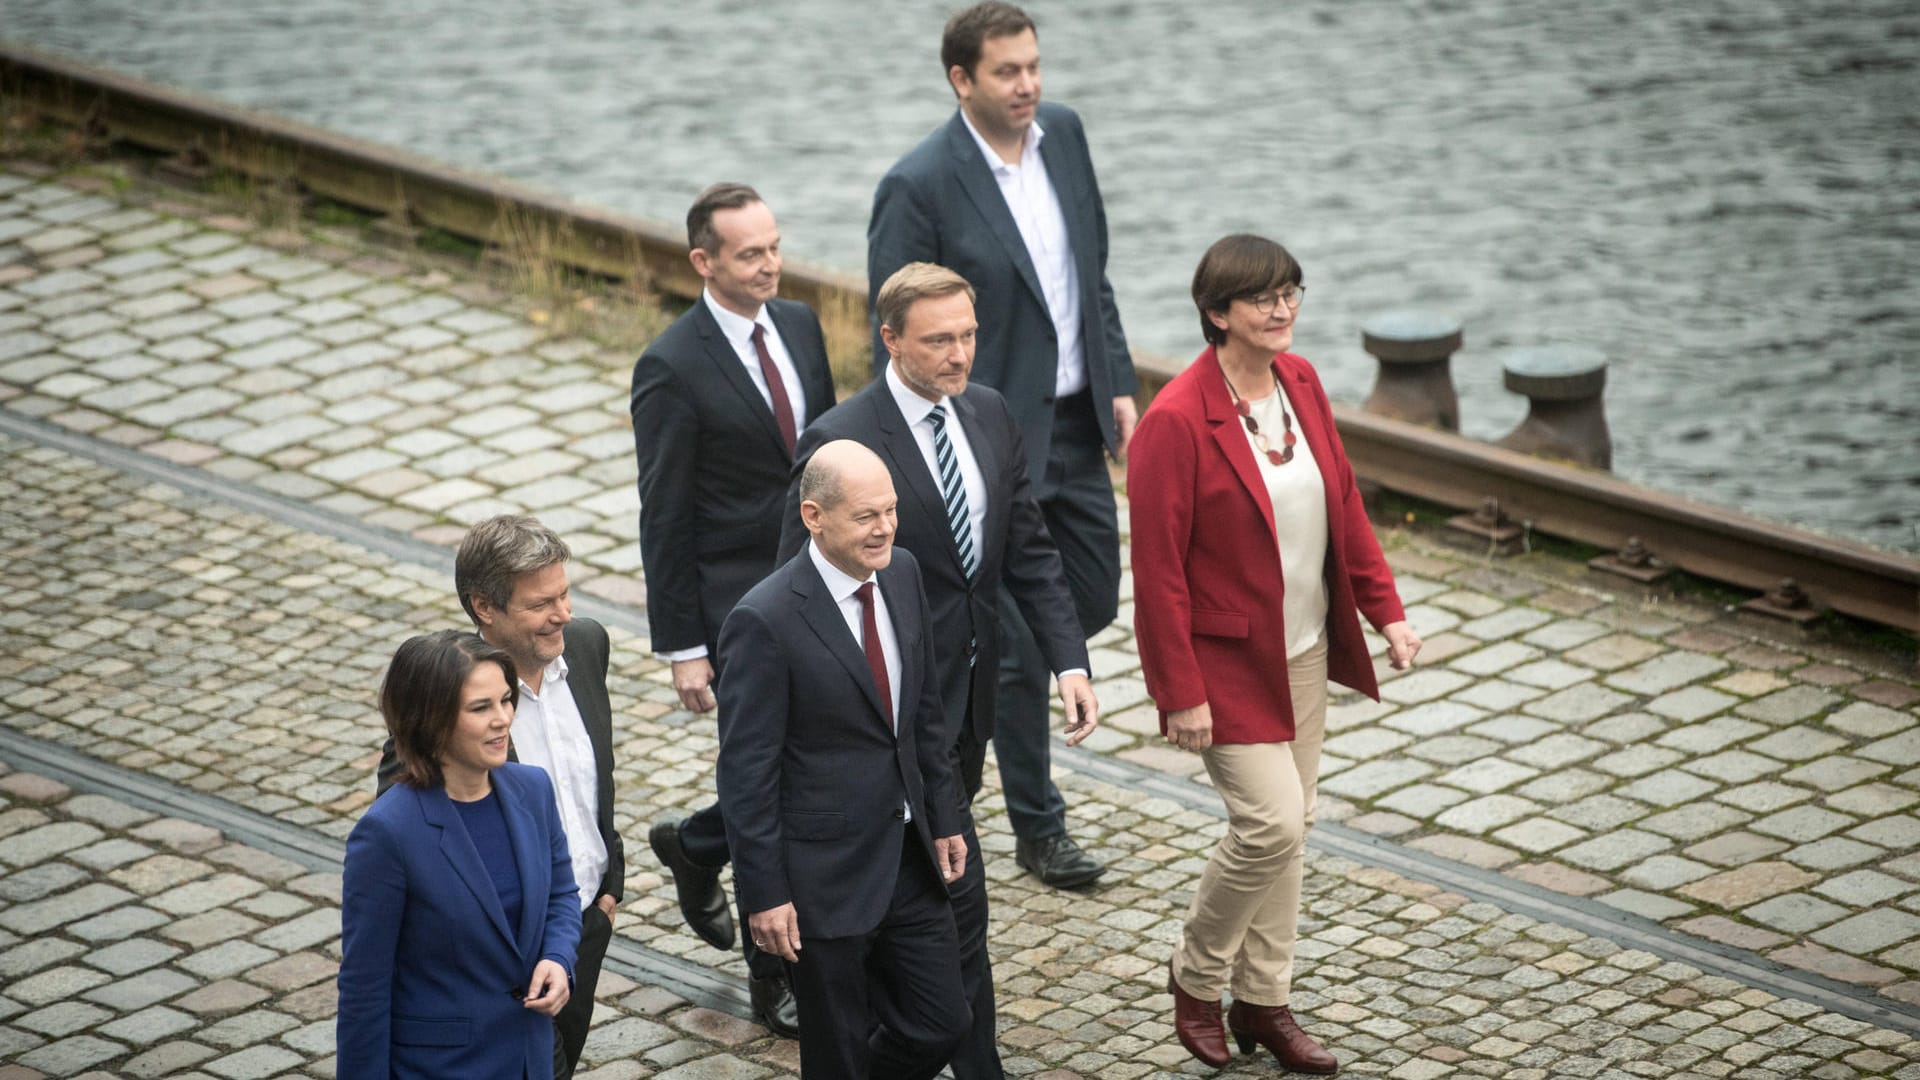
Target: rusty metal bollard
{"points": [[1415, 350], [1567, 418]]}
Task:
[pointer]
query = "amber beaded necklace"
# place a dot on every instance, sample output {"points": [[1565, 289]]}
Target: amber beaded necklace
{"points": [[1245, 410]]}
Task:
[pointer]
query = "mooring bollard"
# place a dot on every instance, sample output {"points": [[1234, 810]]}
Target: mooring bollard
{"points": [[1567, 418], [1415, 350]]}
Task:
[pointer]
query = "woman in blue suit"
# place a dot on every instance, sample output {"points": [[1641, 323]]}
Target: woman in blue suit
{"points": [[459, 915]]}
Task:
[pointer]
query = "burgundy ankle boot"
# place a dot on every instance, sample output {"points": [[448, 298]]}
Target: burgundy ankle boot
{"points": [[1198, 1024], [1273, 1027]]}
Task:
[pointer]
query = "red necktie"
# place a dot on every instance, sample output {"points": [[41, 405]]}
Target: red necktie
{"points": [[870, 641], [776, 389]]}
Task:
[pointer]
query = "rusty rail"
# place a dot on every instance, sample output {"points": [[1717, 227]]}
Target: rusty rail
{"points": [[1594, 508]]}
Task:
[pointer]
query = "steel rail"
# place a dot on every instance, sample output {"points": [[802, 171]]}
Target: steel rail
{"points": [[1594, 508]]}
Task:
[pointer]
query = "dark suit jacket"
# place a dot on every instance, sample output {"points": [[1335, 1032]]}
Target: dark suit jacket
{"points": [[428, 961], [1208, 592], [712, 468], [941, 204], [812, 778], [1014, 547], [586, 652]]}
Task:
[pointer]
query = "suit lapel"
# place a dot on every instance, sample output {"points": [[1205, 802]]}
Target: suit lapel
{"points": [[822, 615], [903, 451], [734, 374], [459, 851], [1318, 439], [1230, 435], [803, 360], [904, 638], [595, 711], [977, 180], [531, 859], [987, 449]]}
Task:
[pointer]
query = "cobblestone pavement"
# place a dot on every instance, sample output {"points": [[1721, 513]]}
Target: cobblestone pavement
{"points": [[1664, 760]]}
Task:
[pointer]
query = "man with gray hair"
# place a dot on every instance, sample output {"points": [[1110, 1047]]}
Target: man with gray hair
{"points": [[511, 576]]}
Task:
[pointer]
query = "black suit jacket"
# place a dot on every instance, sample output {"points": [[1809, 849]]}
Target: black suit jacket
{"points": [[1014, 548], [812, 777], [587, 653], [713, 470], [941, 204]]}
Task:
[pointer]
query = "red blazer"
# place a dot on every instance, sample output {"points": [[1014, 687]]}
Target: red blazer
{"points": [[1206, 563]]}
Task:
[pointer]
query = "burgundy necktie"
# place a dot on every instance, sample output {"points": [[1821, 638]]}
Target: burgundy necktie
{"points": [[870, 641], [776, 389]]}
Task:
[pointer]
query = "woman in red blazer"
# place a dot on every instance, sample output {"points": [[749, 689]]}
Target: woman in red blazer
{"points": [[1251, 555]]}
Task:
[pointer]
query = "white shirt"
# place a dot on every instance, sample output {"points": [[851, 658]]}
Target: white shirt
{"points": [[1299, 497], [548, 733], [1043, 227], [842, 588], [919, 415], [739, 334]]}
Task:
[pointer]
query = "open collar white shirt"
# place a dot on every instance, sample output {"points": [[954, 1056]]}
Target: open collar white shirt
{"points": [[548, 733], [1043, 228]]}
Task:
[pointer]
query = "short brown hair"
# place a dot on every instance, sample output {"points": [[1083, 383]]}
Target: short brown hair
{"points": [[967, 30], [911, 284], [497, 552], [1238, 267], [725, 195], [420, 697]]}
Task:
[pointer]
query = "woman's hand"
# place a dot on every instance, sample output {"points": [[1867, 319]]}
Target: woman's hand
{"points": [[547, 992], [1191, 729], [1402, 644]]}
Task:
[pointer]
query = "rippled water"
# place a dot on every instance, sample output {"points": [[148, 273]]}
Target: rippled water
{"points": [[1723, 196]]}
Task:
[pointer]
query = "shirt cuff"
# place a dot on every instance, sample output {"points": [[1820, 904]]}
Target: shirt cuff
{"points": [[1074, 671], [698, 652]]}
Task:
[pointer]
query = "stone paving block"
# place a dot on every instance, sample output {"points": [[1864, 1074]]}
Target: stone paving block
{"points": [[1902, 749], [1833, 853], [1869, 721], [1691, 703], [1873, 800], [1833, 965], [1580, 702], [1496, 695], [1835, 773], [143, 990], [1764, 797], [1733, 766], [1487, 813], [1901, 831], [71, 1055], [1421, 800], [1696, 821], [1487, 776], [1668, 788], [42, 915], [1615, 850], [1636, 761], [1364, 781], [1538, 835], [1801, 824], [1557, 751], [1653, 906], [1794, 913], [1565, 786], [1746, 885], [1422, 685], [1433, 717], [1789, 706]]}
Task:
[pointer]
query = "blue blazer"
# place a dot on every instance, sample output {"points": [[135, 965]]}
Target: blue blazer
{"points": [[429, 968], [941, 204]]}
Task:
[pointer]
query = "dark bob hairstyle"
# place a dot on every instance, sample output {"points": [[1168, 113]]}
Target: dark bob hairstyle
{"points": [[420, 697], [1239, 267]]}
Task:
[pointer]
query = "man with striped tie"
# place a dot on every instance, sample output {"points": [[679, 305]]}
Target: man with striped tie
{"points": [[969, 518]]}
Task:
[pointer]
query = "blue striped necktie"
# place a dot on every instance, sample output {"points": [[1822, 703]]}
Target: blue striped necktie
{"points": [[953, 492]]}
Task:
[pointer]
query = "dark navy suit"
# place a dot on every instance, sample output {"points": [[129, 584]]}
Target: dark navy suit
{"points": [[430, 973], [815, 783]]}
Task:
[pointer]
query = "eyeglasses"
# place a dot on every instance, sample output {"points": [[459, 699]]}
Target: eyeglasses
{"points": [[1290, 295]]}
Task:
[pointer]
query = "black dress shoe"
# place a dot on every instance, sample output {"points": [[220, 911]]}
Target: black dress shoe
{"points": [[1058, 861], [773, 1005], [702, 902]]}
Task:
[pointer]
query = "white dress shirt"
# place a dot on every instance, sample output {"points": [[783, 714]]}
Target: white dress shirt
{"points": [[1043, 227], [739, 334], [842, 588], [1299, 497], [548, 733]]}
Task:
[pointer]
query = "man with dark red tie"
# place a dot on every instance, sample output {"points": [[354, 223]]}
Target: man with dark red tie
{"points": [[842, 805], [719, 399]]}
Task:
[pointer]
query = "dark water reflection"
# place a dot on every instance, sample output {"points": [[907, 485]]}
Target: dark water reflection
{"points": [[1723, 196]]}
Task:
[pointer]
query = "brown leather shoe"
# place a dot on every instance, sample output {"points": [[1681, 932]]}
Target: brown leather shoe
{"points": [[1197, 1023], [1273, 1027]]}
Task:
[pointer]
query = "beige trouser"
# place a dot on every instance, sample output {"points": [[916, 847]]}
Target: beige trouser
{"points": [[1240, 931]]}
